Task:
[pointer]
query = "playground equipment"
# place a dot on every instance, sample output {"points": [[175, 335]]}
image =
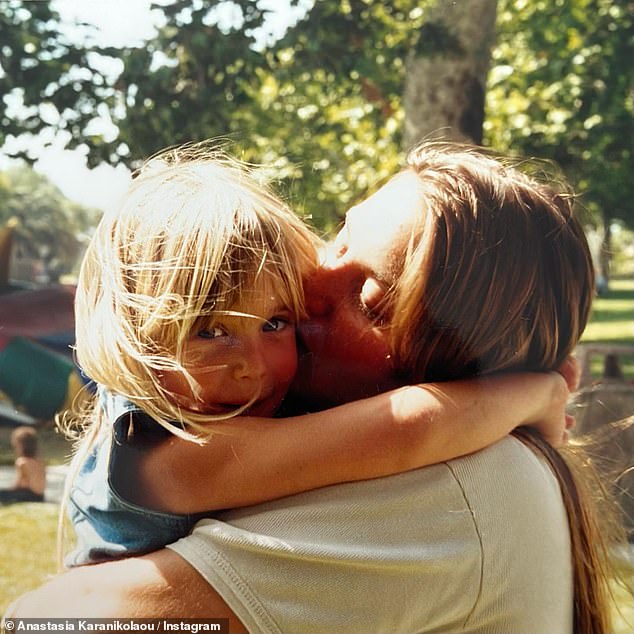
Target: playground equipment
{"points": [[38, 377]]}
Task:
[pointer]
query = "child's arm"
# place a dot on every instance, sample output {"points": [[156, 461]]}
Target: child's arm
{"points": [[250, 460]]}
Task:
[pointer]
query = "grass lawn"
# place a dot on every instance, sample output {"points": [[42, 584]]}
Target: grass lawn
{"points": [[28, 535], [612, 318]]}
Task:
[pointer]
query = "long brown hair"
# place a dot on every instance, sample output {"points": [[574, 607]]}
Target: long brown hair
{"points": [[498, 276]]}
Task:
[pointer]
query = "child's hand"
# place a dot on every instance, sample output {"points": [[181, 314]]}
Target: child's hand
{"points": [[570, 369], [553, 423]]}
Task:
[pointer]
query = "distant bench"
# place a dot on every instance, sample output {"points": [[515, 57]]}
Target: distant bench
{"points": [[612, 354]]}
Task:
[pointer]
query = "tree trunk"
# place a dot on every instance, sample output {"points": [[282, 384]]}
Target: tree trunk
{"points": [[605, 255], [446, 72], [6, 243]]}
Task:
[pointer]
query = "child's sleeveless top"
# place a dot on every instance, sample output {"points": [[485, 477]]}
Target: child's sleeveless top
{"points": [[108, 526]]}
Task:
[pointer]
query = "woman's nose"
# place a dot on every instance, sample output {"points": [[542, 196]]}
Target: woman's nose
{"points": [[331, 283], [319, 293]]}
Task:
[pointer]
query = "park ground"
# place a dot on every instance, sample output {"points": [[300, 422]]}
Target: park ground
{"points": [[28, 531]]}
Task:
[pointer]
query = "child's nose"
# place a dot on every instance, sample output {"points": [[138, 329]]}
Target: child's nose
{"points": [[251, 363]]}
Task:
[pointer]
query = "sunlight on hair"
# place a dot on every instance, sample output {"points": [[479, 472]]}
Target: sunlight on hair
{"points": [[194, 233]]}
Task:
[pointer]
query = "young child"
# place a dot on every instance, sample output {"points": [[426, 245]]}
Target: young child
{"points": [[30, 471], [186, 308]]}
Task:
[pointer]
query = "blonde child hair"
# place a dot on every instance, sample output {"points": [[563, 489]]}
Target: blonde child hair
{"points": [[194, 231]]}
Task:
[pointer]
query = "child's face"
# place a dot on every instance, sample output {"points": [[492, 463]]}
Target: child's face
{"points": [[239, 358]]}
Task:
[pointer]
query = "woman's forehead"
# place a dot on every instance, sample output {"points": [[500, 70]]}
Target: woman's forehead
{"points": [[402, 190], [377, 229]]}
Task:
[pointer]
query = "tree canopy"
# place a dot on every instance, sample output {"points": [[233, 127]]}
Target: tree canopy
{"points": [[47, 82], [564, 89], [323, 105], [47, 225]]}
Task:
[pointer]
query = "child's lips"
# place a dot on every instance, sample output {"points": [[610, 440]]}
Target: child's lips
{"points": [[226, 407], [254, 409], [262, 407], [217, 409]]}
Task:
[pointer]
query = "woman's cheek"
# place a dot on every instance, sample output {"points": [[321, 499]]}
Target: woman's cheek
{"points": [[287, 364]]}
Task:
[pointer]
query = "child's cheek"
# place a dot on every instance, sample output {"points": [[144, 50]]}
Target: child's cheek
{"points": [[175, 383]]}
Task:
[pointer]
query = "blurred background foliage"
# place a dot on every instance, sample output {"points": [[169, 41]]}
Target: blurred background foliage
{"points": [[47, 226], [323, 106]]}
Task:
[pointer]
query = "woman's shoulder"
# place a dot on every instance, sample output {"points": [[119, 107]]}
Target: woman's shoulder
{"points": [[507, 464], [511, 488]]}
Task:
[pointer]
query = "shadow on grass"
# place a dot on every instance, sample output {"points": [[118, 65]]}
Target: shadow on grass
{"points": [[623, 294]]}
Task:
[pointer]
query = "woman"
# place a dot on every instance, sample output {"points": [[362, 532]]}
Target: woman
{"points": [[457, 267]]}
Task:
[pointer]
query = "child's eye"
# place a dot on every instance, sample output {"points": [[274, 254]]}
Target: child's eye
{"points": [[212, 333], [276, 324]]}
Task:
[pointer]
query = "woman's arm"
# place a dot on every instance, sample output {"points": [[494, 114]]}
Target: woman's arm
{"points": [[250, 460]]}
